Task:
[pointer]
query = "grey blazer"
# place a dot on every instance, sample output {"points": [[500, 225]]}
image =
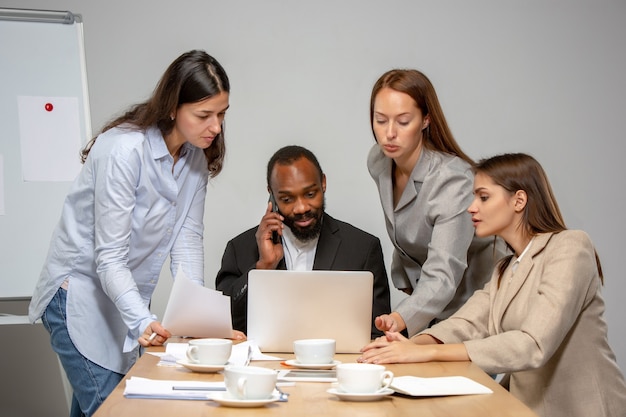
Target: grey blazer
{"points": [[544, 326], [435, 251]]}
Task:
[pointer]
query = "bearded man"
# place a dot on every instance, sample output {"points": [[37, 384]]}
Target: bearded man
{"points": [[296, 233]]}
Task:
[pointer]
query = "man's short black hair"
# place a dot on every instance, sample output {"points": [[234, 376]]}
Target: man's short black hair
{"points": [[288, 155]]}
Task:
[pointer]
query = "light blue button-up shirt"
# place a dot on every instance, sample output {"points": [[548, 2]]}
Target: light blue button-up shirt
{"points": [[129, 208]]}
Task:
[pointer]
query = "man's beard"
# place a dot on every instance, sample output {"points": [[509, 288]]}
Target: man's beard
{"points": [[310, 232]]}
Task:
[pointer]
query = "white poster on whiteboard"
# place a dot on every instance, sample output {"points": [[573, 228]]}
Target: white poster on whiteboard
{"points": [[49, 137]]}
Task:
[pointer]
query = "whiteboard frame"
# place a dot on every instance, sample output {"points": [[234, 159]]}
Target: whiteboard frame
{"points": [[32, 209]]}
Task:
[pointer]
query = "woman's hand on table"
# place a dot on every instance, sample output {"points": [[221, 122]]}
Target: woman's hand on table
{"points": [[393, 347]]}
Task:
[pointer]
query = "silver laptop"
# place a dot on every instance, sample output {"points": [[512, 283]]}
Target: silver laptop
{"points": [[284, 306]]}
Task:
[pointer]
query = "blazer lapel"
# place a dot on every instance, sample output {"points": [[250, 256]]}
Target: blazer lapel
{"points": [[327, 245], [385, 186], [521, 274], [519, 277], [414, 185]]}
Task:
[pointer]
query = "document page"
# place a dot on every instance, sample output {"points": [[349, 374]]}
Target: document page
{"points": [[440, 386], [197, 311]]}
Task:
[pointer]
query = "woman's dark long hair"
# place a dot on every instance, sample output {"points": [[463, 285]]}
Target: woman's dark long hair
{"points": [[194, 76]]}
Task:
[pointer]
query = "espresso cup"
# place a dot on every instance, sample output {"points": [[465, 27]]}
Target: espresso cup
{"points": [[250, 382], [314, 351], [362, 377], [209, 351]]}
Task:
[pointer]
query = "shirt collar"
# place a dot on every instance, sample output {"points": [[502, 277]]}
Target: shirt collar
{"points": [[298, 255], [519, 258], [158, 145]]}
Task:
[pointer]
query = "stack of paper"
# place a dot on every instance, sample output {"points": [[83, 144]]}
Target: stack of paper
{"points": [[137, 387], [433, 387]]}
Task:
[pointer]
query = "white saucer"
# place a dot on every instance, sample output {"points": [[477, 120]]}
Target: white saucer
{"points": [[224, 398], [296, 364], [357, 396], [198, 367]]}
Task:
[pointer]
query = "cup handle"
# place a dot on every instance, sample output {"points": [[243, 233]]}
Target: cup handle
{"points": [[241, 388], [191, 353], [386, 379]]}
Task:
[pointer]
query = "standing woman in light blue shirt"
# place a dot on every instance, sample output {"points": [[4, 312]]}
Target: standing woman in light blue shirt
{"points": [[138, 198]]}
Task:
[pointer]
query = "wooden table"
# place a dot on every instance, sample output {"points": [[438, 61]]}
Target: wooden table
{"points": [[311, 398]]}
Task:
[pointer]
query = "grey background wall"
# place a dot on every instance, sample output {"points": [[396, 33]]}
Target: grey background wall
{"points": [[540, 77]]}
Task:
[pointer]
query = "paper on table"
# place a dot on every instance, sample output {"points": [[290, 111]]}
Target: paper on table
{"points": [[173, 352], [177, 351], [137, 387], [197, 311], [434, 387]]}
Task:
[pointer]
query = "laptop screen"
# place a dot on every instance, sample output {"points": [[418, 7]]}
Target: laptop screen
{"points": [[284, 306]]}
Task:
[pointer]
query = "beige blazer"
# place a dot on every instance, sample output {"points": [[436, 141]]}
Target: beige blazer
{"points": [[544, 327]]}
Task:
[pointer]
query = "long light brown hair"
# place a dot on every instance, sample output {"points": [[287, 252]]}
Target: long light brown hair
{"points": [[437, 136]]}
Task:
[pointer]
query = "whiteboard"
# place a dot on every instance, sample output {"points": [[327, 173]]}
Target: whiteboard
{"points": [[36, 59]]}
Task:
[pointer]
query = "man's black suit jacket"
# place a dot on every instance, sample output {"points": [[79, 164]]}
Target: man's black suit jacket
{"points": [[341, 247]]}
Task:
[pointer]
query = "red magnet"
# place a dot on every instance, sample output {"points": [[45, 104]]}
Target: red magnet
{"points": [[48, 106]]}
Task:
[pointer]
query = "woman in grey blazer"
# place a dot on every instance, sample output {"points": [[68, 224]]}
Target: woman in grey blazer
{"points": [[425, 182], [540, 319]]}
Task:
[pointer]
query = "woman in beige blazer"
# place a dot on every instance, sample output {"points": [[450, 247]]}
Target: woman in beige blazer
{"points": [[540, 319]]}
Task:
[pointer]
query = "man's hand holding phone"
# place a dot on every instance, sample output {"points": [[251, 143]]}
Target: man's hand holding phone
{"points": [[275, 236], [268, 237]]}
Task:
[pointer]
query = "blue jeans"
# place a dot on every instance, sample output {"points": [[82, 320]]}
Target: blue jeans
{"points": [[91, 383]]}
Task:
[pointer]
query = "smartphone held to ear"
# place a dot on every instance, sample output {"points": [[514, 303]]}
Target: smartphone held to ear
{"points": [[275, 237]]}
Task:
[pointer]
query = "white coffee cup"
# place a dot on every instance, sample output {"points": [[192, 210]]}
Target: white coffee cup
{"points": [[362, 377], [250, 382], [209, 351], [314, 351]]}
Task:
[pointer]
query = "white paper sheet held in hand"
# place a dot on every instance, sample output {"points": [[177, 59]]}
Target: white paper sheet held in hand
{"points": [[196, 311]]}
